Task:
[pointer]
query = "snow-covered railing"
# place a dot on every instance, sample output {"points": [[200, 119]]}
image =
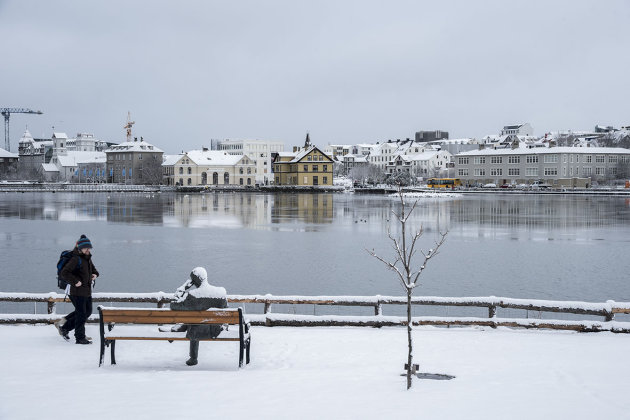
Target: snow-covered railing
{"points": [[607, 310]]}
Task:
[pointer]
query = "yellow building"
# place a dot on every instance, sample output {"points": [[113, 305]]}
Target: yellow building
{"points": [[307, 167]]}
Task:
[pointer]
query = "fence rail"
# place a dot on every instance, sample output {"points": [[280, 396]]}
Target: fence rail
{"points": [[607, 310]]}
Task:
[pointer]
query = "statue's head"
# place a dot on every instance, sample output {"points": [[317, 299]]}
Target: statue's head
{"points": [[198, 276]]}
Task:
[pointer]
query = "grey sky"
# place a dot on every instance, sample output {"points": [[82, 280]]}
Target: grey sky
{"points": [[347, 71]]}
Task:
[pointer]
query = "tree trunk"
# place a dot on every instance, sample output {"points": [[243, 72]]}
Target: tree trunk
{"points": [[409, 339]]}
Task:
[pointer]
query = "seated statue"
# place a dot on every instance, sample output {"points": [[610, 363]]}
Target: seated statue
{"points": [[197, 294]]}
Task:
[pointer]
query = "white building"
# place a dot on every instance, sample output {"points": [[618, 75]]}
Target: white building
{"points": [[261, 152], [383, 153], [518, 129], [550, 164], [209, 167]]}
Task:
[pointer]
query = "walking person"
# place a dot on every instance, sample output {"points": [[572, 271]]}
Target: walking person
{"points": [[80, 273]]}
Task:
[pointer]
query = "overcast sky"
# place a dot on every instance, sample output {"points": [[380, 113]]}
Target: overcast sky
{"points": [[346, 71]]}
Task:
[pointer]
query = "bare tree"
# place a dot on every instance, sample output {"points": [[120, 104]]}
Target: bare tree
{"points": [[403, 265]]}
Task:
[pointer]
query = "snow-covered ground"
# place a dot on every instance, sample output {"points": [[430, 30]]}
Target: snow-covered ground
{"points": [[314, 373]]}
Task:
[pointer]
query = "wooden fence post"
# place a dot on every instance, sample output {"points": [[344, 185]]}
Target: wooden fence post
{"points": [[52, 306], [378, 309]]}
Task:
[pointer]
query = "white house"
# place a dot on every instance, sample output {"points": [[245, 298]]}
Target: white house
{"points": [[209, 167], [261, 152]]}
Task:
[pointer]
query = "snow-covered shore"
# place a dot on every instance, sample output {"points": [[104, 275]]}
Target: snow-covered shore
{"points": [[312, 373]]}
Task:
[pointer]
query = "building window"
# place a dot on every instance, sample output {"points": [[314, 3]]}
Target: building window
{"points": [[249, 181], [315, 181], [531, 171], [240, 181], [612, 159], [240, 171], [189, 181], [462, 172], [599, 171], [463, 160], [315, 168], [532, 159], [181, 170], [514, 159], [325, 180], [305, 168], [587, 171], [189, 170], [551, 171], [480, 172], [249, 171], [496, 172], [496, 160], [479, 160], [589, 159], [513, 172], [325, 168], [600, 159], [551, 158]]}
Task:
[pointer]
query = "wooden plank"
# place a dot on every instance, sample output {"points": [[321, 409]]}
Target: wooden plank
{"points": [[621, 310], [165, 319], [150, 316], [169, 338]]}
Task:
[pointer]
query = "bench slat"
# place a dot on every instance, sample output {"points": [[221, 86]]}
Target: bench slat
{"points": [[149, 316], [169, 338]]}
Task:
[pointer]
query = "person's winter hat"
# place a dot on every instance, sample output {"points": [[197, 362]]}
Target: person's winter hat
{"points": [[84, 242]]}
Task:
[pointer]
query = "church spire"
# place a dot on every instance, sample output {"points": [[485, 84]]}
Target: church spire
{"points": [[307, 143]]}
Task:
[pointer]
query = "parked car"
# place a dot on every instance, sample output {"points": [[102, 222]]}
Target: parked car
{"points": [[490, 185], [542, 185]]}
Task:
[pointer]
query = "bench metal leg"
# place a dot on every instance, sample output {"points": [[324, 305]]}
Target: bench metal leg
{"points": [[113, 355], [247, 354], [241, 348], [100, 360]]}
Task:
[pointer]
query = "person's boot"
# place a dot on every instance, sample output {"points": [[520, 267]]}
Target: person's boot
{"points": [[62, 331], [194, 352], [83, 340]]}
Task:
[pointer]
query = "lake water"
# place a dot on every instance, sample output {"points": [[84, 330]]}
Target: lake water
{"points": [[523, 246]]}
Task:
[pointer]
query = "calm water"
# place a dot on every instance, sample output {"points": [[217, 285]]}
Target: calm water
{"points": [[547, 247]]}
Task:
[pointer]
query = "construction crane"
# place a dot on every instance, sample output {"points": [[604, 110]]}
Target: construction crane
{"points": [[128, 126], [6, 112]]}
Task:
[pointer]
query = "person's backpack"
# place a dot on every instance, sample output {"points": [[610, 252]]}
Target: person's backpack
{"points": [[64, 258]]}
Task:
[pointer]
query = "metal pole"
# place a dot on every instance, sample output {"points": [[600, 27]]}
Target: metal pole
{"points": [[7, 141]]}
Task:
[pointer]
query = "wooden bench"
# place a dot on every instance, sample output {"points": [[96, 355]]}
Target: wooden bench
{"points": [[134, 316]]}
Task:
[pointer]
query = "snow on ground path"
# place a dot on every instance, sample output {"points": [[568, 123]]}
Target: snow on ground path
{"points": [[312, 373]]}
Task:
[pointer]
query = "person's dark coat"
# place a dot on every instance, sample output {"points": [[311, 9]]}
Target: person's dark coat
{"points": [[73, 275], [192, 303]]}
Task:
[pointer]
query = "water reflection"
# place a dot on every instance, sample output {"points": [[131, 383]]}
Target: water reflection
{"points": [[310, 211]]}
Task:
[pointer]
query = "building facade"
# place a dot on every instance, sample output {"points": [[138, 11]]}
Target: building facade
{"points": [[550, 164], [34, 152], [425, 136], [307, 167], [8, 164], [261, 152], [518, 130], [209, 167], [134, 162]]}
